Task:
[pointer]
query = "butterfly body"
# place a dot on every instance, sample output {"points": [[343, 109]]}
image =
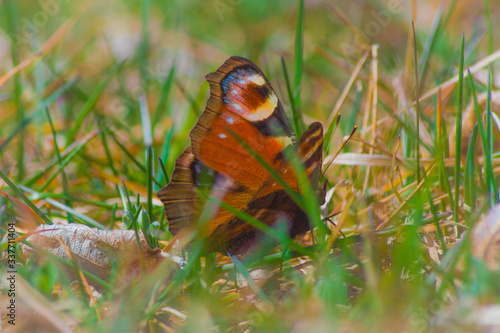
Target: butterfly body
{"points": [[242, 107]]}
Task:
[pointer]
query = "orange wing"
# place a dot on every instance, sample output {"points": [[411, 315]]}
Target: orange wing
{"points": [[271, 203], [241, 101]]}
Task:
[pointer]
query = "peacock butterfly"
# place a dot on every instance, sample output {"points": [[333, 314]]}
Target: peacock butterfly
{"points": [[242, 104]]}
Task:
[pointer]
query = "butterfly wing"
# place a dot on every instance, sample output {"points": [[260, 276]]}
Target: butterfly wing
{"points": [[241, 101], [182, 201], [272, 203]]}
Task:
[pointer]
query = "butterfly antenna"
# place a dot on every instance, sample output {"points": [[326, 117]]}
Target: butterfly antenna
{"points": [[342, 145], [332, 215], [333, 223]]}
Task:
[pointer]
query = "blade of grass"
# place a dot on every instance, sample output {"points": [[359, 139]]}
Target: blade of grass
{"points": [[145, 121], [441, 150], [77, 145], [90, 103], [489, 25], [21, 210], [443, 86], [299, 53], [331, 124], [434, 34], [251, 282], [295, 113], [178, 280], [163, 171], [492, 186], [18, 192], [417, 98], [144, 45], [164, 94], [63, 174], [46, 102], [18, 88], [62, 164], [451, 8], [469, 183], [85, 219], [150, 177], [458, 132], [111, 163], [489, 177], [44, 49], [434, 212], [164, 157], [130, 156]]}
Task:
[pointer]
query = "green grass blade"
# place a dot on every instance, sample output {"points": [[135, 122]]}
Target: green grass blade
{"points": [[417, 103], [489, 25], [145, 121], [251, 282], [85, 219], [90, 103], [63, 174], [144, 45], [150, 178], [77, 145], [491, 181], [469, 183], [130, 156], [163, 170], [299, 53], [164, 94], [296, 115], [430, 43], [164, 157], [104, 141], [13, 28], [18, 192], [62, 165], [489, 177], [458, 132]]}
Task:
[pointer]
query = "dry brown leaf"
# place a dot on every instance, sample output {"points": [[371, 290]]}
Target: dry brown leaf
{"points": [[96, 250], [26, 216], [486, 238]]}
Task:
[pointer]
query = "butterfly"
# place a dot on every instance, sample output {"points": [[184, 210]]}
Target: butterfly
{"points": [[243, 107]]}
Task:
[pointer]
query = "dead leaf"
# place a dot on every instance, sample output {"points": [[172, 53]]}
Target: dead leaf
{"points": [[25, 214], [486, 238], [97, 250]]}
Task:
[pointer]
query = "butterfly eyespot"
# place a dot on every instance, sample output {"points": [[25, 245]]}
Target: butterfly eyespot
{"points": [[236, 106], [222, 136], [230, 120], [234, 91], [257, 79], [273, 98]]}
